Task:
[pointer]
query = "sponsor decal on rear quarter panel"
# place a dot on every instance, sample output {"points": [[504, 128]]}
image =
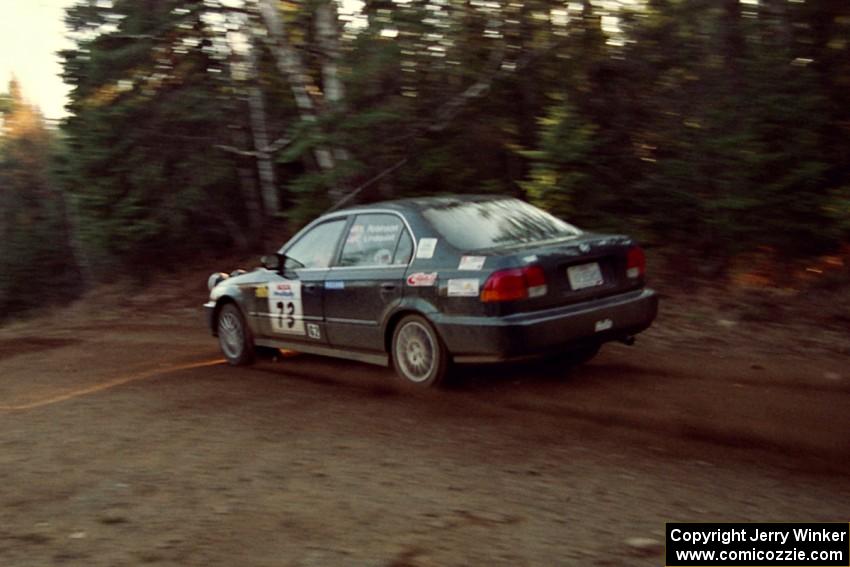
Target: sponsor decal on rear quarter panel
{"points": [[471, 262], [426, 248], [421, 279], [465, 287]]}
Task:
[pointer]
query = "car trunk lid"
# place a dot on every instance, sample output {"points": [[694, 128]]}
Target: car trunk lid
{"points": [[579, 269]]}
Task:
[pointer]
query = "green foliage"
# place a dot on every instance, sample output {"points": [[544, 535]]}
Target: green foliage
{"points": [[711, 127], [561, 171], [717, 138], [149, 106], [37, 268]]}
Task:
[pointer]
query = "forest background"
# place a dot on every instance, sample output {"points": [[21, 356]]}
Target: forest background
{"points": [[716, 131]]}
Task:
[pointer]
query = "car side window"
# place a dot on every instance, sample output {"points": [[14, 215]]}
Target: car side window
{"points": [[371, 240], [316, 248], [404, 250]]}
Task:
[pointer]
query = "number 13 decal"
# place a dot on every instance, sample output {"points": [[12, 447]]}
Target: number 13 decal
{"points": [[285, 314], [285, 309]]}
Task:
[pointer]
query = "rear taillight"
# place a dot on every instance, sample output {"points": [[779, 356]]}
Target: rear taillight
{"points": [[513, 284], [636, 263]]}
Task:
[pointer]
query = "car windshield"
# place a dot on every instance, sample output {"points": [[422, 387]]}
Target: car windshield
{"points": [[495, 223]]}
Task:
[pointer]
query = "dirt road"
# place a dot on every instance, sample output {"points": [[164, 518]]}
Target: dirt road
{"points": [[128, 442]]}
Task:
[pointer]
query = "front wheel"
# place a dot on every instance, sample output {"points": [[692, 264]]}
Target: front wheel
{"points": [[418, 354], [234, 336]]}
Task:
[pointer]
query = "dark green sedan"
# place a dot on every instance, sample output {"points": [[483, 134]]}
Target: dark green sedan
{"points": [[427, 282]]}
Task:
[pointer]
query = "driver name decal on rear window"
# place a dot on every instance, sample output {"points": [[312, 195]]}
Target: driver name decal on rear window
{"points": [[381, 233], [371, 241], [285, 309], [466, 287], [426, 248], [471, 262]]}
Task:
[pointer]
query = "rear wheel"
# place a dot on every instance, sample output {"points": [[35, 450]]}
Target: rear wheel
{"points": [[234, 336], [418, 354]]}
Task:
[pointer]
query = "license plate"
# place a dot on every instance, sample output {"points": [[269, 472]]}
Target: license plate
{"points": [[584, 276]]}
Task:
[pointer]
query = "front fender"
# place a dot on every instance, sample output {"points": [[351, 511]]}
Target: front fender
{"points": [[222, 294]]}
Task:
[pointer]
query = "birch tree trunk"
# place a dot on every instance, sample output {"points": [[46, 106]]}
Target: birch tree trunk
{"points": [[327, 32], [249, 193], [259, 131], [291, 66]]}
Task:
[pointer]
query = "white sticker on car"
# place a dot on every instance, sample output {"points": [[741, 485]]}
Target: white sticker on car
{"points": [[466, 287], [313, 331], [421, 279], [426, 248], [285, 310], [604, 325], [471, 262]]}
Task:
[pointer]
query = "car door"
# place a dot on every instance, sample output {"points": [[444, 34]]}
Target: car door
{"points": [[292, 304], [368, 280]]}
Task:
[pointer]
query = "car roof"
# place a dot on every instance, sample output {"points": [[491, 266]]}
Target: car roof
{"points": [[420, 203]]}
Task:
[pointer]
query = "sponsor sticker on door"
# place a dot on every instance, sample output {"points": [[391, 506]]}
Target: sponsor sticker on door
{"points": [[285, 309], [313, 331]]}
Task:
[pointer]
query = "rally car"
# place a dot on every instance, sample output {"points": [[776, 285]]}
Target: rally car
{"points": [[422, 283]]}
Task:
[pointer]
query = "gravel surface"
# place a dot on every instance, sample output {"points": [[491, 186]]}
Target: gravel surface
{"points": [[126, 441]]}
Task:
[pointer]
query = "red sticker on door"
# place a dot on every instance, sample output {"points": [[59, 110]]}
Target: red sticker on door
{"points": [[421, 279]]}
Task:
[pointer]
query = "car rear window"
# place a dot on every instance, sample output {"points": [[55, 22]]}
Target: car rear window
{"points": [[496, 223]]}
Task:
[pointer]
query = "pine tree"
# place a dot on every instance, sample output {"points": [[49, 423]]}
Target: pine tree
{"points": [[36, 263]]}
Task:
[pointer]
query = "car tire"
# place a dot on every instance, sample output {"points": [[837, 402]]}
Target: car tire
{"points": [[418, 354], [234, 336]]}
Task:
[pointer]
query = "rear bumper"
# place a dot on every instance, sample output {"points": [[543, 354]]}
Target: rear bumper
{"points": [[491, 339]]}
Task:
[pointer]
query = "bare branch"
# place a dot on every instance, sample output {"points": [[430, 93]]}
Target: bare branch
{"points": [[451, 108], [369, 183], [263, 153]]}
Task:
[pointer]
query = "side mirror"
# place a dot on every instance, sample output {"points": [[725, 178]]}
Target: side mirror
{"points": [[271, 262]]}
